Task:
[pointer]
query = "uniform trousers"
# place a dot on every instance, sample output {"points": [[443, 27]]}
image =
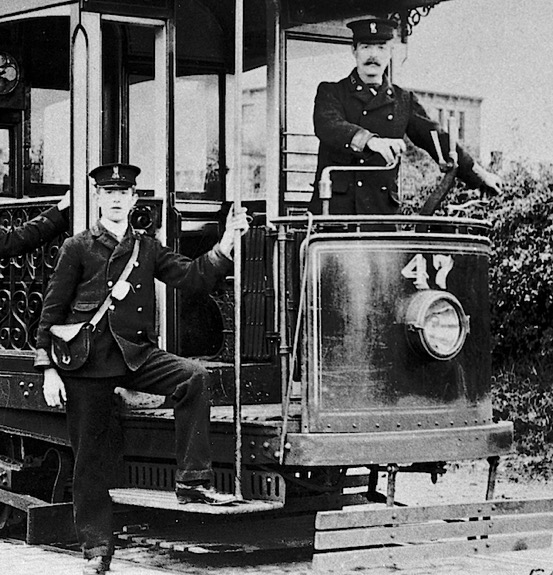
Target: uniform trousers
{"points": [[89, 407]]}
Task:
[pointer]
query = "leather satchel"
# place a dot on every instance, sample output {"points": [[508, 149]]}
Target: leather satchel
{"points": [[71, 343]]}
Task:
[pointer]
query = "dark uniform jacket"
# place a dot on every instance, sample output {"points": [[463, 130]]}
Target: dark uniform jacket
{"points": [[89, 264], [32, 234], [388, 111]]}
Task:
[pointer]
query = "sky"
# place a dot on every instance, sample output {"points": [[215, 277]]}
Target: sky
{"points": [[501, 51]]}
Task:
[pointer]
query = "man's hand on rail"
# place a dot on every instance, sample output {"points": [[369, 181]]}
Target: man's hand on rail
{"points": [[388, 148]]}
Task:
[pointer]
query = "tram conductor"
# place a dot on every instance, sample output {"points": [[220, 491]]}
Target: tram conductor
{"points": [[123, 353], [362, 120]]}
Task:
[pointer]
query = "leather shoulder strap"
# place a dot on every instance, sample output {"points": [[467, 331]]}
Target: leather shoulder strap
{"points": [[123, 277]]}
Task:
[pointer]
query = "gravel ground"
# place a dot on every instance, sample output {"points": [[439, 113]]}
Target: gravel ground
{"points": [[466, 481]]}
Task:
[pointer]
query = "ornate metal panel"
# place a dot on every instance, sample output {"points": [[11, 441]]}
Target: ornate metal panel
{"points": [[23, 282]]}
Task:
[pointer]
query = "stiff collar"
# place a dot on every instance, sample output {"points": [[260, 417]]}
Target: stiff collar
{"points": [[357, 85], [104, 236], [98, 229]]}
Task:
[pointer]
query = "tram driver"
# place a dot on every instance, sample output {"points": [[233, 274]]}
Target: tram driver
{"points": [[362, 120], [123, 351]]}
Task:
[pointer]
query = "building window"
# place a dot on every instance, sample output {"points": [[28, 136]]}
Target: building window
{"points": [[461, 126], [441, 117]]}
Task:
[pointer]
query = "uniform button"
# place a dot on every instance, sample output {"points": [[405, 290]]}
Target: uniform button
{"points": [[390, 116], [389, 91], [136, 264], [110, 283], [361, 161], [359, 88], [139, 332], [139, 309], [384, 189], [138, 286], [365, 112], [359, 183], [111, 307]]}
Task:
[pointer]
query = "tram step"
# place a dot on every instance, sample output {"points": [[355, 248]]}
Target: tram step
{"points": [[167, 500]]}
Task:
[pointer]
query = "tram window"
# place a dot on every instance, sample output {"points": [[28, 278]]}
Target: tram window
{"points": [[254, 122], [308, 62], [142, 118], [49, 153], [5, 157], [197, 135]]}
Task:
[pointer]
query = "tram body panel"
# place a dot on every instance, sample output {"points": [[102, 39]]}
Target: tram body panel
{"points": [[365, 370]]}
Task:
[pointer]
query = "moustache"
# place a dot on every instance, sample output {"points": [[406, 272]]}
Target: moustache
{"points": [[372, 61]]}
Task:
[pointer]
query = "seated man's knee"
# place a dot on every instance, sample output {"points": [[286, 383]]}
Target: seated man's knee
{"points": [[198, 381]]}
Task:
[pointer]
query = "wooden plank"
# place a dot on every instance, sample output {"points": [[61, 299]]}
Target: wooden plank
{"points": [[436, 530], [368, 517], [168, 500], [19, 500], [52, 523], [339, 562]]}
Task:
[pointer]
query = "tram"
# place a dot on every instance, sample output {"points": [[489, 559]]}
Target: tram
{"points": [[339, 342]]}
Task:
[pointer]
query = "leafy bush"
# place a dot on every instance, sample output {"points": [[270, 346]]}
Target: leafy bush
{"points": [[521, 270], [522, 394], [521, 280], [521, 296]]}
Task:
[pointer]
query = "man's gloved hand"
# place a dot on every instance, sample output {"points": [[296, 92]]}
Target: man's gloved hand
{"points": [[491, 183], [65, 202], [388, 148], [53, 388]]}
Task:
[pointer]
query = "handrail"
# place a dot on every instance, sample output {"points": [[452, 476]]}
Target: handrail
{"points": [[325, 183], [384, 220], [291, 365], [237, 179]]}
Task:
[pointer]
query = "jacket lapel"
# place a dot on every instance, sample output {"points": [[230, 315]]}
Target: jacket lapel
{"points": [[125, 246], [118, 249]]}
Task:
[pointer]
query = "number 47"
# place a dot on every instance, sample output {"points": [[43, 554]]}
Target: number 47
{"points": [[416, 270]]}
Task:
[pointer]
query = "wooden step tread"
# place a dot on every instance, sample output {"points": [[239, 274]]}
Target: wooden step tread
{"points": [[168, 500]]}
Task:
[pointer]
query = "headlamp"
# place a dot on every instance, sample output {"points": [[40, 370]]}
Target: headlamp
{"points": [[436, 324]]}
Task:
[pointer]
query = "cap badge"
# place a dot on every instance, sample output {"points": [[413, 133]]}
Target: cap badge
{"points": [[115, 175], [373, 27]]}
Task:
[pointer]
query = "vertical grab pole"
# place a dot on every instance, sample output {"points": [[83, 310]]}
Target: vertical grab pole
{"points": [[238, 68]]}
